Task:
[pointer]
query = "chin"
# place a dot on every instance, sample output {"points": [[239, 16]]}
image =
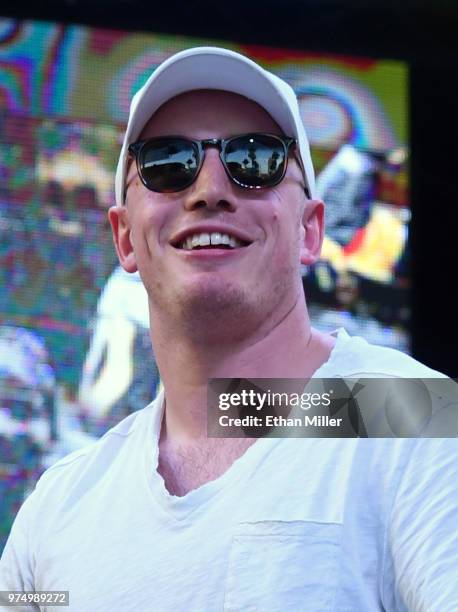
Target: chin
{"points": [[214, 297], [217, 310]]}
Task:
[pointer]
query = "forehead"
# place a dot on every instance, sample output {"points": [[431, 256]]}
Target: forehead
{"points": [[208, 113]]}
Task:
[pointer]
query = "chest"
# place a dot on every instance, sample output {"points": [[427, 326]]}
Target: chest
{"points": [[271, 541], [184, 468]]}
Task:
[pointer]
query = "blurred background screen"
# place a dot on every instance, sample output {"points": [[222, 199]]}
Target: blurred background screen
{"points": [[75, 353]]}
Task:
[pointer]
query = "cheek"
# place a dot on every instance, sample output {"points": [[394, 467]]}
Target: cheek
{"points": [[282, 220], [150, 220], [267, 213]]}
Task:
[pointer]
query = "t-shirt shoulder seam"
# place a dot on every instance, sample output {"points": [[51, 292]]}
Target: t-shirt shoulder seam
{"points": [[86, 450], [92, 447]]}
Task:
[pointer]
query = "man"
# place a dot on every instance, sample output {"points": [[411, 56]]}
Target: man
{"points": [[216, 210]]}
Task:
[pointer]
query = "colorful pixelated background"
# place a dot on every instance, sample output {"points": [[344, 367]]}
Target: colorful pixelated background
{"points": [[74, 347]]}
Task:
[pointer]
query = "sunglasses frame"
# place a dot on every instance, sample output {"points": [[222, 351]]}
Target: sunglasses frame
{"points": [[136, 148]]}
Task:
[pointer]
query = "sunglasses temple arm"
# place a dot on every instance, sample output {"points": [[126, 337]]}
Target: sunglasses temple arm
{"points": [[130, 157], [304, 175], [298, 158]]}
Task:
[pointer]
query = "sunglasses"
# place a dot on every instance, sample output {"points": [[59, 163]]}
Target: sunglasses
{"points": [[171, 163]]}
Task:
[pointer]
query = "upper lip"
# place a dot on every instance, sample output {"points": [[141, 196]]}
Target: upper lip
{"points": [[208, 228]]}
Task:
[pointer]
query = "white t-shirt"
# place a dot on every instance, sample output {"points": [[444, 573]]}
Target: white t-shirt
{"points": [[356, 525]]}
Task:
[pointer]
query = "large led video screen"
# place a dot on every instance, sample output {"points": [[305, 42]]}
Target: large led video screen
{"points": [[75, 354]]}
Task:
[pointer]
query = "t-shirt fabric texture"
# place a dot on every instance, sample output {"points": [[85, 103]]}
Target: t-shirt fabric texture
{"points": [[321, 525]]}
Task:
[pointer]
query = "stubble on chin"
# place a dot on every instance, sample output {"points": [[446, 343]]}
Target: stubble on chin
{"points": [[217, 312]]}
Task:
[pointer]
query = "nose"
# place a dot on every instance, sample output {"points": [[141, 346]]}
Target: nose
{"points": [[212, 188]]}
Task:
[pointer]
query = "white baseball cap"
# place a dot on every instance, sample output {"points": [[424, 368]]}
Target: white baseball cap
{"points": [[215, 68]]}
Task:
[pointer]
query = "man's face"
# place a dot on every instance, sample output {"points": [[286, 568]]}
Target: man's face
{"points": [[215, 291]]}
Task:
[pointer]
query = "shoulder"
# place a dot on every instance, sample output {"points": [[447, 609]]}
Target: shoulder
{"points": [[354, 356], [73, 489], [421, 540], [73, 476]]}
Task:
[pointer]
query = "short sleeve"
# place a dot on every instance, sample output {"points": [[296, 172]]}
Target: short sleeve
{"points": [[421, 564], [16, 567]]}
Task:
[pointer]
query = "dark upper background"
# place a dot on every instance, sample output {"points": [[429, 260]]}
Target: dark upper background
{"points": [[424, 33]]}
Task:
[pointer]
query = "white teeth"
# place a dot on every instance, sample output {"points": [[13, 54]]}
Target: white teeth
{"points": [[215, 238], [204, 239]]}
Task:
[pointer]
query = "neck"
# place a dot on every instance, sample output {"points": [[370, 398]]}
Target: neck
{"points": [[289, 349]]}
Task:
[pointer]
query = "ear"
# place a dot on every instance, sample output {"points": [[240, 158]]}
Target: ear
{"points": [[312, 231], [120, 227]]}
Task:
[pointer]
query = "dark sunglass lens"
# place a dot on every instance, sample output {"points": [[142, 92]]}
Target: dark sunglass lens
{"points": [[255, 160], [169, 164]]}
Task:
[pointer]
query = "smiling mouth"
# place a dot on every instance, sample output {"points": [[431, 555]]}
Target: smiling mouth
{"points": [[210, 240]]}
